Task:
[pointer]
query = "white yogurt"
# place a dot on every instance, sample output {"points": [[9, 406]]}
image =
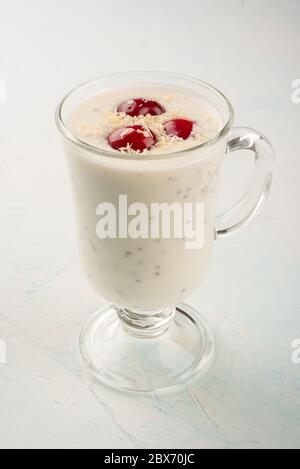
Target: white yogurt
{"points": [[144, 274]]}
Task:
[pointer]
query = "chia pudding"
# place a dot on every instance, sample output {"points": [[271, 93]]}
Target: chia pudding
{"points": [[149, 147]]}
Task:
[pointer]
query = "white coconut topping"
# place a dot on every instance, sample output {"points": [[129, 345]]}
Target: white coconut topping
{"points": [[205, 127]]}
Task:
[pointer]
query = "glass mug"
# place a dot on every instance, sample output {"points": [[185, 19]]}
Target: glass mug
{"points": [[146, 339]]}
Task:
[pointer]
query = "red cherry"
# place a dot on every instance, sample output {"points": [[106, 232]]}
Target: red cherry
{"points": [[180, 127], [141, 107], [138, 137]]}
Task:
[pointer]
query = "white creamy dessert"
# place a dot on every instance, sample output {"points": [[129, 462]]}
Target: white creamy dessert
{"points": [[144, 274], [97, 117]]}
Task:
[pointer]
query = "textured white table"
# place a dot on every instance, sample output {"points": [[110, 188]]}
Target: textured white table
{"points": [[249, 49]]}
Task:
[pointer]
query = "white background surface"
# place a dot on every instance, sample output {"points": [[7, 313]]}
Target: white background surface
{"points": [[249, 49]]}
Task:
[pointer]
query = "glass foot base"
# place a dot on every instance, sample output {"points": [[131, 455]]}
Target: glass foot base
{"points": [[146, 364]]}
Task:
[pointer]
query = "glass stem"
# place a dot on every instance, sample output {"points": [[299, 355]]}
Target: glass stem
{"points": [[145, 324]]}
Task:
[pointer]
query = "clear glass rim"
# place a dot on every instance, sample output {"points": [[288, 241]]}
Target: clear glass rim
{"points": [[63, 129]]}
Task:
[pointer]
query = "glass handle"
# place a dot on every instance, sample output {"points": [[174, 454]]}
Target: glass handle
{"points": [[243, 138]]}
